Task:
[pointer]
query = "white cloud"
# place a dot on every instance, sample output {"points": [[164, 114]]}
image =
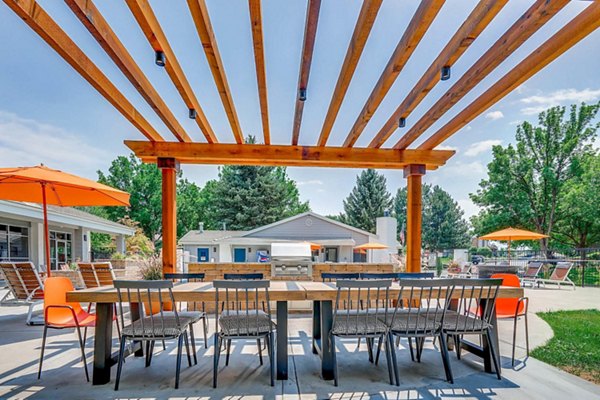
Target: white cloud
{"points": [[310, 182], [473, 169], [445, 147], [539, 103], [481, 147], [26, 142], [468, 207], [494, 115]]}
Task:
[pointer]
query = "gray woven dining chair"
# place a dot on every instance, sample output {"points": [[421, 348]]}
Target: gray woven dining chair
{"points": [[154, 323], [419, 313], [192, 311], [240, 318], [368, 323], [471, 313]]}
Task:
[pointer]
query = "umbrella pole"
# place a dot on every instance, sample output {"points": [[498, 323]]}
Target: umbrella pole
{"points": [[509, 252], [46, 231]]}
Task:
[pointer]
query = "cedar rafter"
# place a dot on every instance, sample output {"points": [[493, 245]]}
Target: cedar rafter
{"points": [[481, 16], [92, 19], [529, 23], [418, 26], [364, 24], [310, 32], [147, 21], [572, 33], [206, 34], [42, 24], [259, 60]]}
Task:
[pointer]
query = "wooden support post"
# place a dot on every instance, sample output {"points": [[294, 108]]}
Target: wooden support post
{"points": [[169, 168], [413, 174]]}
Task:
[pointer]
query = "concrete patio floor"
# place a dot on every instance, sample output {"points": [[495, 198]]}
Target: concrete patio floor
{"points": [[244, 378]]}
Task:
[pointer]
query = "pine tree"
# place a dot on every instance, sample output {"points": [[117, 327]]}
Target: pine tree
{"points": [[367, 201]]}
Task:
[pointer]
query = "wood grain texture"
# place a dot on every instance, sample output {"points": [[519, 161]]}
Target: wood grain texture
{"points": [[259, 62], [151, 28], [201, 18], [481, 16], [529, 23], [571, 34], [42, 24]]}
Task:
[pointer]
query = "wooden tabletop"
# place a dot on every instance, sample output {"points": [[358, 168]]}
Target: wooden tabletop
{"points": [[278, 291]]}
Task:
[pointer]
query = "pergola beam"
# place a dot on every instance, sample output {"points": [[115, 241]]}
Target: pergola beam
{"points": [[529, 23], [259, 61], [92, 19], [147, 21], [572, 33], [206, 34], [418, 26], [481, 16], [310, 33], [285, 155], [362, 29], [41, 23]]}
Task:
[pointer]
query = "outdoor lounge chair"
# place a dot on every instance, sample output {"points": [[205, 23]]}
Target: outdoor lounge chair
{"points": [[531, 273], [559, 276], [241, 319], [25, 287]]}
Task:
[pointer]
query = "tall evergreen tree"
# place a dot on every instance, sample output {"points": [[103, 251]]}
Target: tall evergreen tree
{"points": [[368, 200]]}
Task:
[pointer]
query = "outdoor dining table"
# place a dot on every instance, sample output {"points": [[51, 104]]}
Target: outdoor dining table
{"points": [[322, 294]]}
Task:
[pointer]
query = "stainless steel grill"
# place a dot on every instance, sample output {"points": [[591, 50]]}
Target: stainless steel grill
{"points": [[291, 259]]}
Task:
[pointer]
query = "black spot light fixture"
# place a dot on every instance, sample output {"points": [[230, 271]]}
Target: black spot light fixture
{"points": [[445, 73], [401, 122], [302, 94], [159, 58], [192, 113]]}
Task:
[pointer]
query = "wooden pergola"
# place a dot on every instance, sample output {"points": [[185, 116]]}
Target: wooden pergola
{"points": [[168, 155]]}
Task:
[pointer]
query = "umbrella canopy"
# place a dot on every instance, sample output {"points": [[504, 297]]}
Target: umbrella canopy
{"points": [[371, 246], [40, 184], [510, 234], [314, 246]]}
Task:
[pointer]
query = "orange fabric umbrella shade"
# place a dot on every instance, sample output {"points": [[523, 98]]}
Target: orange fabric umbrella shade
{"points": [[510, 234], [40, 184], [371, 246]]}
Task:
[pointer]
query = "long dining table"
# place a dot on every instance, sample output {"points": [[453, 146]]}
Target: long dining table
{"points": [[322, 294]]}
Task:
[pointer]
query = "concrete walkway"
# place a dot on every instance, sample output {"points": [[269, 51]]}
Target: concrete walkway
{"points": [[63, 376]]}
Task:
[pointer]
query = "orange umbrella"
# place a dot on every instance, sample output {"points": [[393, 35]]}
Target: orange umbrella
{"points": [[371, 246], [40, 184], [314, 246], [510, 234]]}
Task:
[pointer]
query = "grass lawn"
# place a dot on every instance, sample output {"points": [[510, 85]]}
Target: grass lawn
{"points": [[575, 346]]}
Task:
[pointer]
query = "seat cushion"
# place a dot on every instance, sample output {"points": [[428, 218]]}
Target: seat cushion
{"points": [[457, 323], [245, 322], [193, 316], [156, 327], [358, 323], [405, 323]]}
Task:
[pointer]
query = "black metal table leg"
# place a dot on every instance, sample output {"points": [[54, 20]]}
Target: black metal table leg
{"points": [[103, 343], [326, 350], [316, 327], [493, 335], [282, 340]]}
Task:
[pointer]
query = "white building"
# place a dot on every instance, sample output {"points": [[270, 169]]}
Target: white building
{"points": [[332, 241], [22, 233]]}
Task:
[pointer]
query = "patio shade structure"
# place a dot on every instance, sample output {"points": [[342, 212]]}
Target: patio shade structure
{"points": [[511, 234], [414, 161], [40, 184], [371, 246]]}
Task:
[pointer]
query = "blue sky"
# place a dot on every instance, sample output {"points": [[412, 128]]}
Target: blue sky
{"points": [[49, 114]]}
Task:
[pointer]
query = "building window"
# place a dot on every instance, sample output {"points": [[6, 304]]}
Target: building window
{"points": [[14, 243], [331, 254], [61, 249]]}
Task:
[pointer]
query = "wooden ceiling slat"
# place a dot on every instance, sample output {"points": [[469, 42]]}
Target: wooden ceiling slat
{"points": [[481, 16], [92, 19], [310, 33], [259, 60], [147, 21], [203, 25], [572, 33], [418, 26], [280, 155], [364, 24], [41, 23], [529, 23]]}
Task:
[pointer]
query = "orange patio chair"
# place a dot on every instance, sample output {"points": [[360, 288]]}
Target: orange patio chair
{"points": [[59, 314], [513, 308]]}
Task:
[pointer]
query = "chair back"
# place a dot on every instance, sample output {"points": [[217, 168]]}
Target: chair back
{"points": [[421, 306], [476, 297], [56, 295], [184, 278], [334, 276], [508, 307], [23, 280], [155, 295], [379, 275], [533, 269], [373, 294], [96, 274], [250, 276], [238, 298], [561, 271], [416, 275]]}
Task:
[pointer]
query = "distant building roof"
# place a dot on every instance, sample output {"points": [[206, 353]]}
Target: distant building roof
{"points": [[207, 236]]}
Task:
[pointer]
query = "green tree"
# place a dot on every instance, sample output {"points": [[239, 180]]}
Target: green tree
{"points": [[368, 200], [525, 182], [443, 223]]}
